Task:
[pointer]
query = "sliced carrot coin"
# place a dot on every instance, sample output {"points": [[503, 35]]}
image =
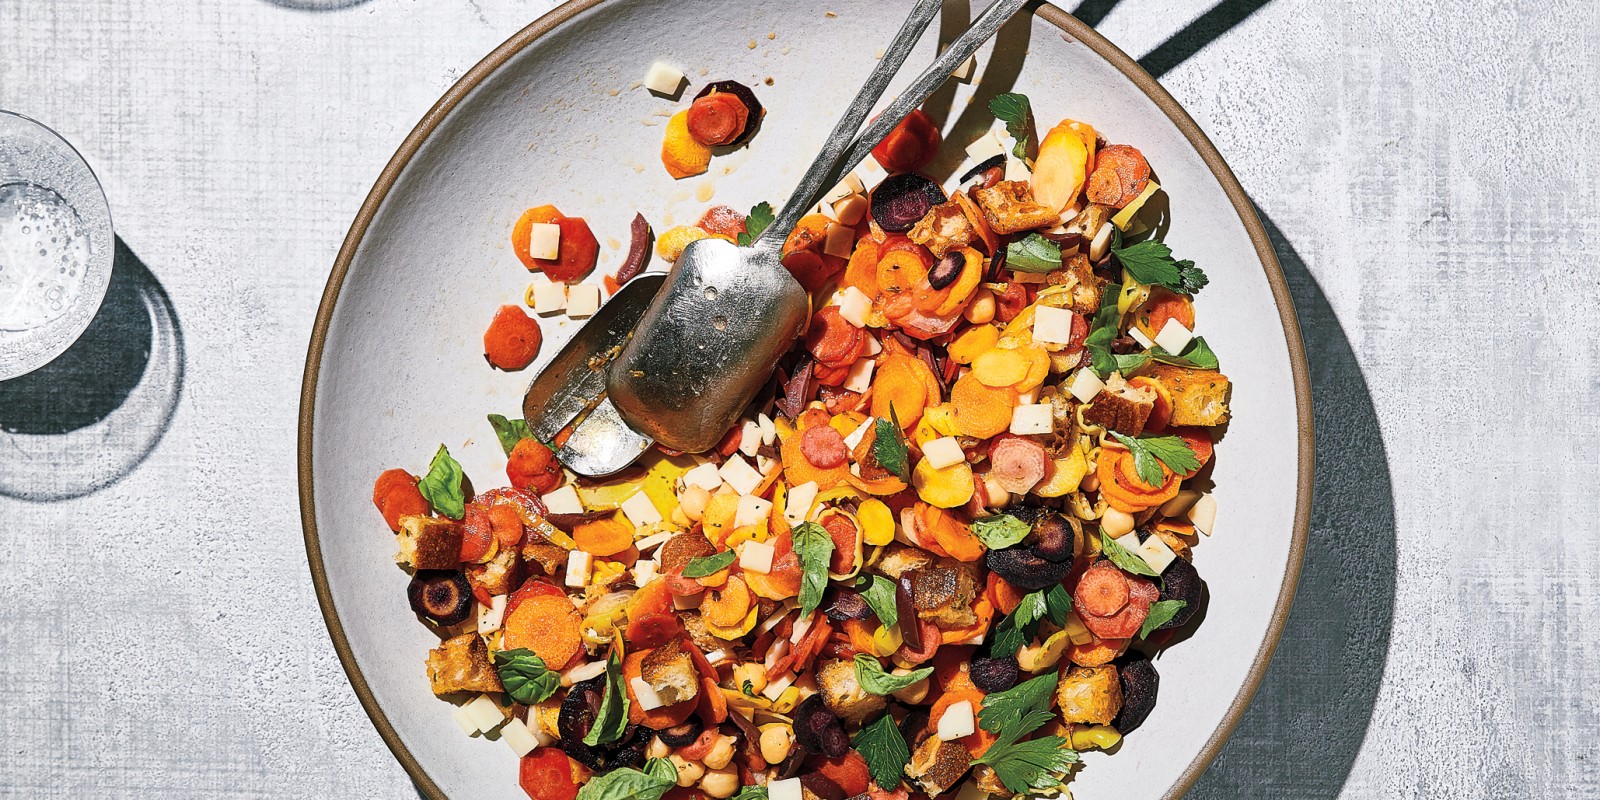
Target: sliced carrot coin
{"points": [[998, 368], [981, 411], [603, 537], [547, 625], [1102, 591]]}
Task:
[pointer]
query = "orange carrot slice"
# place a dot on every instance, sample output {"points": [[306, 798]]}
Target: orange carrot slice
{"points": [[603, 537], [980, 410], [547, 625], [726, 608], [1102, 591]]}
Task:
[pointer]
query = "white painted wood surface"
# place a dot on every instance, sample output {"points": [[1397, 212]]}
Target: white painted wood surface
{"points": [[1429, 174]]}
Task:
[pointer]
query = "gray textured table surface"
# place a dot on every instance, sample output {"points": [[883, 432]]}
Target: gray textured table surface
{"points": [[1428, 171]]}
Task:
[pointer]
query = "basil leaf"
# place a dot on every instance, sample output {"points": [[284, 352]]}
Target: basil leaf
{"points": [[1161, 612], [815, 548], [708, 565], [1197, 355], [1000, 531], [509, 431], [889, 447], [627, 783], [525, 676], [1125, 560], [1012, 109], [870, 674], [884, 750], [1102, 329], [1031, 766], [1020, 709], [1150, 452], [1058, 604], [878, 591], [752, 793], [1033, 253], [442, 485], [760, 217], [613, 716], [1151, 262]]}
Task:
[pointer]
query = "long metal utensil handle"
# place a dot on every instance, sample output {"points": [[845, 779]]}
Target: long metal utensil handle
{"points": [[812, 184]]}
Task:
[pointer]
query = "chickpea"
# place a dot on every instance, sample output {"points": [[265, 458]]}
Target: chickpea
{"points": [[750, 678], [720, 783], [721, 753], [1115, 523], [995, 495], [693, 502], [689, 772], [681, 519], [657, 748], [776, 742], [981, 309], [913, 694]]}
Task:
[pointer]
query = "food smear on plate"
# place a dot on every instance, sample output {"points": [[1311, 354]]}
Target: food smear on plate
{"points": [[934, 557]]}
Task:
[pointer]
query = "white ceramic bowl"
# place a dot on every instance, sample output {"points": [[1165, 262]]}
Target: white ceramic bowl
{"points": [[556, 115]]}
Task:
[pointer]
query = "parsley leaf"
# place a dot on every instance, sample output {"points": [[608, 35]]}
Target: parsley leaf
{"points": [[1033, 253], [613, 716], [1012, 109], [815, 547], [1161, 612], [870, 674], [889, 446], [509, 431], [1124, 559], [1151, 261], [1102, 329], [1022, 624], [708, 565], [525, 676], [752, 793], [878, 591], [1149, 450], [442, 485], [760, 217], [1000, 531], [1022, 708], [627, 783], [1028, 766], [885, 751]]}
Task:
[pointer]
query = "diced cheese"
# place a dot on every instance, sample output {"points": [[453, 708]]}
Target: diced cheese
{"points": [[484, 713], [1173, 337], [578, 564], [1143, 340], [663, 79], [839, 241], [873, 347], [986, 147], [654, 540], [740, 475], [583, 672], [786, 789], [1028, 398], [549, 298], [1156, 553], [1085, 385], [645, 571], [956, 721], [776, 688], [544, 240], [704, 476], [464, 719], [1204, 514], [798, 502], [854, 305], [1032, 419], [583, 300], [1129, 541], [749, 438], [752, 510], [765, 465], [755, 557], [851, 209], [718, 656], [688, 602], [517, 736], [964, 71], [859, 378], [943, 452], [645, 695], [779, 649], [640, 510], [840, 191], [563, 501], [859, 433], [801, 625], [1052, 325], [1017, 170], [852, 181], [769, 429], [491, 616]]}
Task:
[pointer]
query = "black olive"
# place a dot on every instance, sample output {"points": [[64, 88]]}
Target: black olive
{"points": [[629, 755], [901, 200], [751, 104], [818, 730], [906, 610], [683, 734], [847, 605], [947, 269], [441, 596], [994, 674], [822, 786], [1140, 683], [577, 715], [914, 726], [1024, 569], [989, 163], [1181, 581], [791, 765]]}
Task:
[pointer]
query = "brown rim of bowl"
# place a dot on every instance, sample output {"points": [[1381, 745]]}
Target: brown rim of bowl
{"points": [[1070, 26]]}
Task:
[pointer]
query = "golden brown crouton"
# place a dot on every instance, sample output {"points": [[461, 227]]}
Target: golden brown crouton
{"points": [[495, 574], [1199, 396], [670, 672], [462, 665], [898, 559], [1121, 406], [937, 765], [943, 592], [843, 695], [1009, 207], [1090, 695], [429, 543], [1077, 273], [942, 229]]}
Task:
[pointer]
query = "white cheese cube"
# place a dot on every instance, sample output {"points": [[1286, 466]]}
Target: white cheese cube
{"points": [[755, 557], [1032, 420], [484, 713], [839, 241], [704, 476], [740, 475], [943, 452], [1143, 340], [647, 697], [749, 438], [549, 298], [873, 347], [1129, 541], [852, 181], [464, 719], [1156, 553], [718, 656], [645, 571], [640, 510], [663, 79], [801, 625], [583, 672], [686, 603], [563, 501], [1085, 385], [854, 305], [1017, 170], [778, 650], [859, 433], [986, 147], [786, 789], [544, 240], [797, 503], [1173, 337], [859, 378], [1052, 325], [957, 721], [583, 300], [840, 191], [517, 736], [578, 565], [776, 688], [1204, 514], [654, 540], [752, 510], [850, 210], [492, 616], [769, 429], [964, 70], [765, 465], [1028, 398]]}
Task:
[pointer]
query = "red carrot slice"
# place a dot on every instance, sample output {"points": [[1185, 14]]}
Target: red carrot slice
{"points": [[824, 447], [1103, 590]]}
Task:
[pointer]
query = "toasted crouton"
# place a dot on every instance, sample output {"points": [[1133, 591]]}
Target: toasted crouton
{"points": [[1090, 695], [942, 229], [462, 665], [843, 695], [1078, 274], [429, 543], [938, 765], [1121, 406], [670, 672], [496, 574], [943, 592], [1009, 207], [899, 559], [1199, 396]]}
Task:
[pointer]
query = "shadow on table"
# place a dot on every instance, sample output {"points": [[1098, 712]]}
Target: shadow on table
{"points": [[1303, 730], [317, 5], [86, 419]]}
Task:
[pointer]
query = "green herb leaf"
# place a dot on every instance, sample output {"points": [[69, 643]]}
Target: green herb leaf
{"points": [[1150, 452], [815, 548], [1000, 531], [1028, 766], [878, 591], [870, 674], [1161, 612], [613, 717], [1022, 708], [1022, 624], [889, 446], [1033, 253], [442, 485], [760, 217], [627, 783], [752, 793], [1151, 262], [509, 431], [525, 675], [1127, 561], [885, 751], [1198, 355], [1012, 109], [709, 565], [1058, 604], [1102, 329]]}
